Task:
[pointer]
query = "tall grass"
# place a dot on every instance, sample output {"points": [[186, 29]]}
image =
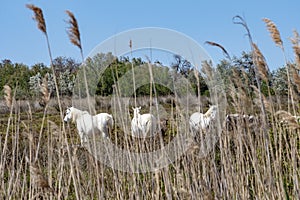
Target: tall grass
{"points": [[242, 165]]}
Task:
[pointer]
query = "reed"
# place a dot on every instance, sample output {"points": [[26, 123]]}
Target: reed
{"points": [[74, 36], [275, 35], [73, 30], [260, 63], [44, 90], [8, 95], [219, 46], [38, 17], [274, 32], [38, 178], [41, 24], [296, 48]]}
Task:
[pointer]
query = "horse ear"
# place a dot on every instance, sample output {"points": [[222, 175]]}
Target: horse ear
{"points": [[140, 107]]}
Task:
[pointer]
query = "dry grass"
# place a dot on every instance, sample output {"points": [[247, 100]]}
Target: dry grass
{"points": [[240, 155]]}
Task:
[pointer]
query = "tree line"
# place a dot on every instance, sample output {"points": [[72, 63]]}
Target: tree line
{"points": [[105, 70]]}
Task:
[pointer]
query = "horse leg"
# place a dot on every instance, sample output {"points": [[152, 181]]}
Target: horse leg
{"points": [[103, 131], [83, 138]]}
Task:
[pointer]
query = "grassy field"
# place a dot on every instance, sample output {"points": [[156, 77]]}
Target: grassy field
{"points": [[40, 158]]}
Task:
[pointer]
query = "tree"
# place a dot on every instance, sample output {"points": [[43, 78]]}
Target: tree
{"points": [[39, 68], [62, 64], [15, 74], [279, 81]]}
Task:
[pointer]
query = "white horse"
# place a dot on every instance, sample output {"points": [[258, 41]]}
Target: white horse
{"points": [[88, 124], [142, 125], [199, 121]]}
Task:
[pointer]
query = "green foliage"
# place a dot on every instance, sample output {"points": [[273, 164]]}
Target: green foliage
{"points": [[28, 79], [119, 72], [15, 75], [279, 81]]}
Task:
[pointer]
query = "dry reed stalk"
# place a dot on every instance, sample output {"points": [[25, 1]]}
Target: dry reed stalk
{"points": [[275, 34], [260, 62], [265, 101], [236, 78], [74, 36], [240, 21], [39, 18], [239, 94], [133, 74], [196, 74], [207, 69], [7, 95]]}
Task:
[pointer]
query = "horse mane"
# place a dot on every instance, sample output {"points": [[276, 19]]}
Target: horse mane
{"points": [[210, 111], [76, 113]]}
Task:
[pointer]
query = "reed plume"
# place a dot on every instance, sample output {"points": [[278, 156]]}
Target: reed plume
{"points": [[38, 17], [260, 62], [7, 95], [44, 90], [73, 30], [219, 46], [296, 47], [275, 34]]}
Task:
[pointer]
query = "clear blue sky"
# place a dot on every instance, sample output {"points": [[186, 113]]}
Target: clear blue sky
{"points": [[21, 41]]}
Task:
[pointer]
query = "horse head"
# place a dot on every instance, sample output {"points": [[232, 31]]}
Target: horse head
{"points": [[212, 111], [136, 111], [68, 115]]}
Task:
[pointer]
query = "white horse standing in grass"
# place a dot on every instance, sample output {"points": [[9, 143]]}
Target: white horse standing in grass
{"points": [[87, 124], [142, 125], [199, 121]]}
